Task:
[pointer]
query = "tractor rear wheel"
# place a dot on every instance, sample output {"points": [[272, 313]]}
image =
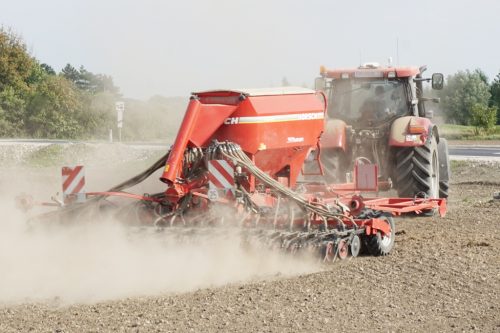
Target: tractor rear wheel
{"points": [[417, 170], [381, 245], [444, 168], [443, 189]]}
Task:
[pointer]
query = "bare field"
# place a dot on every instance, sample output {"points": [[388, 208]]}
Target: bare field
{"points": [[443, 275]]}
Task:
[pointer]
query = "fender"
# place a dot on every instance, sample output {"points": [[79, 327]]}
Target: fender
{"points": [[334, 135], [411, 131]]}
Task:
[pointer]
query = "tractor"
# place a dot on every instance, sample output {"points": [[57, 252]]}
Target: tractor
{"points": [[378, 114]]}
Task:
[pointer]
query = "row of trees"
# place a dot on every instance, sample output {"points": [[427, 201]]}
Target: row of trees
{"points": [[468, 98], [38, 102], [35, 101]]}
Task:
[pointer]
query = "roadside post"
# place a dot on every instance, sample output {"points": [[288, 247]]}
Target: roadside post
{"points": [[120, 109]]}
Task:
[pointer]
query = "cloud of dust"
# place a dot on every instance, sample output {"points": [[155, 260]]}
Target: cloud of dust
{"points": [[104, 260]]}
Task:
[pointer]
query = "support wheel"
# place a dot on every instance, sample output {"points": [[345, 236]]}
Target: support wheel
{"points": [[342, 249], [381, 245], [355, 246], [327, 251]]}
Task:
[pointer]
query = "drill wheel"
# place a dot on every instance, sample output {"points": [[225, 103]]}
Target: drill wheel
{"points": [[342, 249], [355, 246]]}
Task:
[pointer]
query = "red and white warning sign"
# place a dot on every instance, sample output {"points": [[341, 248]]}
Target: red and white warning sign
{"points": [[220, 176], [73, 180]]}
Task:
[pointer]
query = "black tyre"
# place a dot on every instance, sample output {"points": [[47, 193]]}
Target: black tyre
{"points": [[417, 170], [381, 245], [333, 161], [443, 189], [444, 168]]}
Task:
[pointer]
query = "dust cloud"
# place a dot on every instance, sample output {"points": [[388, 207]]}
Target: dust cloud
{"points": [[104, 260]]}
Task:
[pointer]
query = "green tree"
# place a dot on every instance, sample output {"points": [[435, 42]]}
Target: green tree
{"points": [[20, 73], [48, 69], [89, 82], [70, 73], [495, 94], [12, 108], [36, 102], [54, 110], [482, 75], [16, 64], [483, 118], [462, 91]]}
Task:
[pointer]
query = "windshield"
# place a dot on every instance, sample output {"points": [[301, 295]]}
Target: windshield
{"points": [[367, 101]]}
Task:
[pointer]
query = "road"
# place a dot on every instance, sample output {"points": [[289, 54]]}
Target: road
{"points": [[475, 152]]}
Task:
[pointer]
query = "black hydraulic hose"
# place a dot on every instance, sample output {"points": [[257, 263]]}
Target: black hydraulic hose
{"points": [[142, 176]]}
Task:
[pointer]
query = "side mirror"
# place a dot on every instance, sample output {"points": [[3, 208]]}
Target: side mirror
{"points": [[437, 81], [320, 83], [429, 114]]}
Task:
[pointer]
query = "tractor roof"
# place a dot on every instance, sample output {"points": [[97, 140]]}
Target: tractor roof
{"points": [[259, 91], [370, 70]]}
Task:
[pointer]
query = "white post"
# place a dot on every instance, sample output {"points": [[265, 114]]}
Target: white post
{"points": [[120, 109]]}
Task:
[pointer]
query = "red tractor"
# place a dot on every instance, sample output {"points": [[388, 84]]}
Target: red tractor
{"points": [[378, 114]]}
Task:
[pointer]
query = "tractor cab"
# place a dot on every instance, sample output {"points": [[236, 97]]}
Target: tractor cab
{"points": [[369, 102], [372, 95]]}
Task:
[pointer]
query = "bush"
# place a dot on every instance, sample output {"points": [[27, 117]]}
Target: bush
{"points": [[483, 118], [462, 91]]}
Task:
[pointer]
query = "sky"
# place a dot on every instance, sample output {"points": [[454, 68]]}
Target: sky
{"points": [[171, 48]]}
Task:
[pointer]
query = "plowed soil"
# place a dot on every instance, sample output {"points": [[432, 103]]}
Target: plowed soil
{"points": [[443, 275]]}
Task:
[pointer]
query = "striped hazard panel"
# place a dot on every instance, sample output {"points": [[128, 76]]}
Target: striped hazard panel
{"points": [[73, 179], [220, 175]]}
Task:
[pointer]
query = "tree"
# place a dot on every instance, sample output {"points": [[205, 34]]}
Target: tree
{"points": [[54, 109], [70, 73], [89, 82], [16, 64], [495, 94], [48, 69], [36, 102], [483, 118], [19, 72], [462, 91], [12, 107], [482, 75]]}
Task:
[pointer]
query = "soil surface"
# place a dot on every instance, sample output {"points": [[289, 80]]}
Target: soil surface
{"points": [[443, 275]]}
